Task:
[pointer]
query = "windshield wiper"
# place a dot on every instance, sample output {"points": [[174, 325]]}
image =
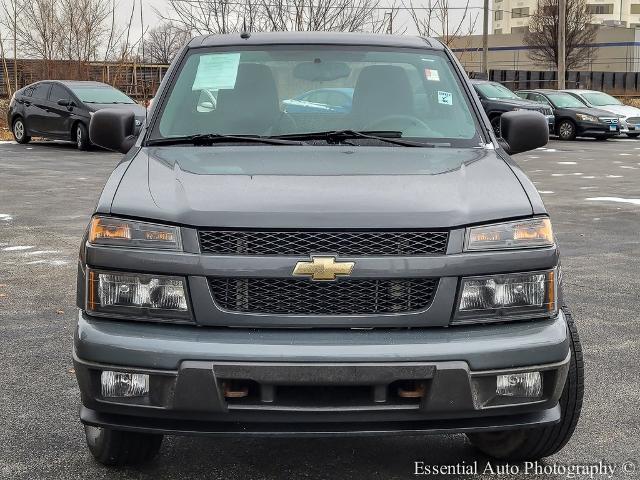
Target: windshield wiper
{"points": [[338, 136], [212, 138]]}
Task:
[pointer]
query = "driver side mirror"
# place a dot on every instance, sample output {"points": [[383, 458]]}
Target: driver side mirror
{"points": [[523, 130], [113, 129]]}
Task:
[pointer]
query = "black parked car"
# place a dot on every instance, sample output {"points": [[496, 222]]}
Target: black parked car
{"points": [[574, 118], [61, 110], [497, 99]]}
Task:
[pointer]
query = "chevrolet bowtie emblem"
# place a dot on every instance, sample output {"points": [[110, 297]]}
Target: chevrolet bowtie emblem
{"points": [[323, 268]]}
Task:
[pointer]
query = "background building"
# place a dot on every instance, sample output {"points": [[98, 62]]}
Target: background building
{"points": [[512, 16], [616, 50]]}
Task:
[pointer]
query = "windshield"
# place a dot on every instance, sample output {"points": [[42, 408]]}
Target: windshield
{"points": [[495, 91], [565, 100], [277, 90], [93, 94], [599, 99]]}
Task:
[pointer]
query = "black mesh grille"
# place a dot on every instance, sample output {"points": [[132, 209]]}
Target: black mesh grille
{"points": [[353, 243], [304, 297]]}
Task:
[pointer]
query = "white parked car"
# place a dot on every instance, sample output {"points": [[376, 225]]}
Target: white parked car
{"points": [[629, 116]]}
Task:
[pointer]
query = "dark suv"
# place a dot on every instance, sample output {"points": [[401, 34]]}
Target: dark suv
{"points": [[383, 270], [62, 109], [497, 99]]}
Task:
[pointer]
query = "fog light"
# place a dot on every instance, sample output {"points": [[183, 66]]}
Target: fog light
{"points": [[520, 385], [120, 384]]}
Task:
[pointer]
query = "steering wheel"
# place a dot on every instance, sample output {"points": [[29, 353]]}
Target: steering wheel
{"points": [[409, 120]]}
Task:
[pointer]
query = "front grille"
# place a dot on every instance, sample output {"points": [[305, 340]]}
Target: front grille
{"points": [[345, 243], [612, 121], [287, 296], [545, 111]]}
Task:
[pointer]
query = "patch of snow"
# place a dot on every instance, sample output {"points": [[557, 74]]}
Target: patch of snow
{"points": [[16, 248], [633, 201]]}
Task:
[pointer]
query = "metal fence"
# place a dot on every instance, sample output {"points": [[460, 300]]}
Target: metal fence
{"points": [[613, 83], [136, 80]]}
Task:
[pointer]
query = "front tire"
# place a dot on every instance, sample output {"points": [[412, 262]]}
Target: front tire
{"points": [[536, 443], [118, 448], [82, 137], [19, 130], [566, 130]]}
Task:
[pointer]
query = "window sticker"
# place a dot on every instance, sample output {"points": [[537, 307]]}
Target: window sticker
{"points": [[431, 75], [217, 71], [445, 98]]}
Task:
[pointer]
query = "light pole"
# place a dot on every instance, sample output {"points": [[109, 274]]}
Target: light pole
{"points": [[562, 39], [485, 40]]}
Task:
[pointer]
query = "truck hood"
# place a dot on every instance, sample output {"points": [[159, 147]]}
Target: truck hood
{"points": [[320, 187]]}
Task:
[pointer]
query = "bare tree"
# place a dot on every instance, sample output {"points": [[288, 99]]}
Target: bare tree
{"points": [[4, 67], [543, 34], [207, 16], [163, 42], [85, 24], [41, 32], [10, 11], [227, 16], [322, 15], [436, 20]]}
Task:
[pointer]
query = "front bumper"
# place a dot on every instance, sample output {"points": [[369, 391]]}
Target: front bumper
{"points": [[590, 129], [551, 121], [320, 382], [629, 127]]}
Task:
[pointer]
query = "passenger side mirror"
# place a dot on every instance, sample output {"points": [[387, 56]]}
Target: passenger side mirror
{"points": [[523, 130], [113, 129], [64, 103]]}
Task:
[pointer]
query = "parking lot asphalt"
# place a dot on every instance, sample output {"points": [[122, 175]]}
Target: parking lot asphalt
{"points": [[47, 191]]}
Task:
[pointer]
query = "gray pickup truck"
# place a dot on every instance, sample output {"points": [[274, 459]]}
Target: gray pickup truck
{"points": [[382, 268]]}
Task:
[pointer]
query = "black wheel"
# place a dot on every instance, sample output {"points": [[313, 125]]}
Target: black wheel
{"points": [[19, 130], [536, 443], [495, 124], [602, 138], [566, 130], [82, 137], [115, 447], [633, 135]]}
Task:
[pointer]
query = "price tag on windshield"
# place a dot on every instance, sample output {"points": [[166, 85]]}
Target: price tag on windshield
{"points": [[217, 71]]}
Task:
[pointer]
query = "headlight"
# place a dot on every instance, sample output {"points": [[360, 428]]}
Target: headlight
{"points": [[136, 295], [529, 233], [498, 298], [586, 118], [129, 233]]}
